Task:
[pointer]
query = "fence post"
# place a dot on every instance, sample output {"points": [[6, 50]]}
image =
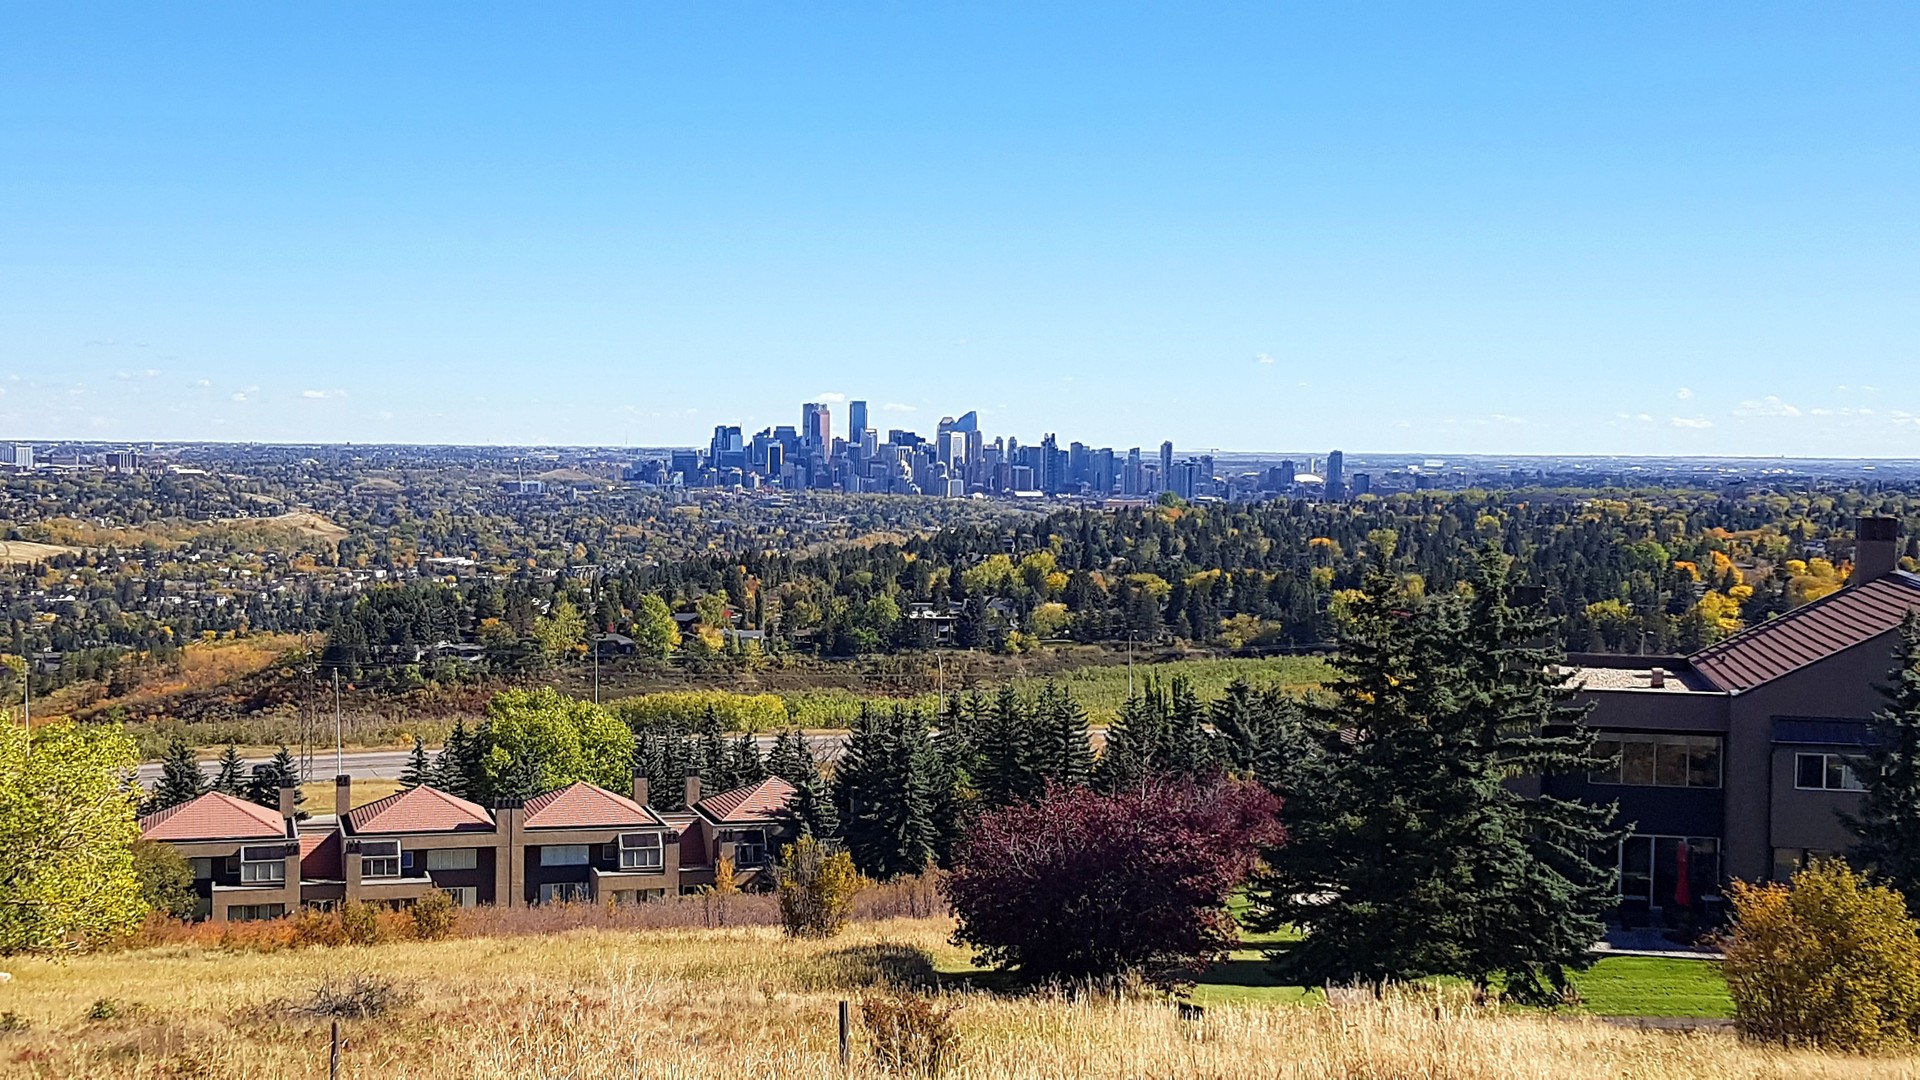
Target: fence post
{"points": [[846, 1035], [333, 1058]]}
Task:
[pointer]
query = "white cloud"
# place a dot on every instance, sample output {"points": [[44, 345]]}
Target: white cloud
{"points": [[1685, 393], [151, 373], [1766, 406], [1264, 358], [897, 406], [1690, 422], [239, 395], [203, 384], [322, 395], [830, 398], [1503, 418], [1645, 418]]}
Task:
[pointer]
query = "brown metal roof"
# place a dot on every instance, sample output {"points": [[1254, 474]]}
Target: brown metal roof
{"points": [[584, 806], [1841, 620], [419, 810], [213, 816], [756, 802]]}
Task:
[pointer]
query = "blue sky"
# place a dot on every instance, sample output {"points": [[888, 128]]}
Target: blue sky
{"points": [[1451, 228]]}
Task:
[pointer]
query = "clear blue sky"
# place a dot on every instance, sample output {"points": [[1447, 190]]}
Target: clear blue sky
{"points": [[1660, 228]]}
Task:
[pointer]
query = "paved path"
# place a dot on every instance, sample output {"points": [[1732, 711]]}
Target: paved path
{"points": [[389, 764]]}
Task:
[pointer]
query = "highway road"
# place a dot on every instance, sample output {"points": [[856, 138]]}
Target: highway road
{"points": [[389, 764]]}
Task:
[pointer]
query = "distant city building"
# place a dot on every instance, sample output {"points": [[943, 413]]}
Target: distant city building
{"points": [[856, 421], [1336, 478], [18, 455], [816, 426]]}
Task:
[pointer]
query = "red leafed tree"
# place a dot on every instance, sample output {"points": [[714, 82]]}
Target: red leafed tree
{"points": [[1082, 886]]}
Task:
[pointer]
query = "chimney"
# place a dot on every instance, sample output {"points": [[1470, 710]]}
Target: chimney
{"points": [[640, 788], [693, 791], [287, 794], [1876, 544], [342, 796], [1658, 678]]}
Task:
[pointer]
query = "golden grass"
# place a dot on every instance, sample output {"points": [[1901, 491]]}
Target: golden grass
{"points": [[317, 797], [748, 1003], [24, 552]]}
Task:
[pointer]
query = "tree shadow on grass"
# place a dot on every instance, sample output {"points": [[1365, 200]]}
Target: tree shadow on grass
{"points": [[860, 967]]}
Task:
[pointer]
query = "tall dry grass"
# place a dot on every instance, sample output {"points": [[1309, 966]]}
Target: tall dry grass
{"points": [[747, 1002]]}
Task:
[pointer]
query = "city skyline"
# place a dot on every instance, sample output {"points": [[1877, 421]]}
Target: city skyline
{"points": [[1484, 230]]}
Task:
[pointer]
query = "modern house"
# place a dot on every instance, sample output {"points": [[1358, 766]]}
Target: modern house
{"points": [[580, 843], [1734, 762]]}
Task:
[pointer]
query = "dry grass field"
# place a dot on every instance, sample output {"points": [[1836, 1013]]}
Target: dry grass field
{"points": [[699, 1004]]}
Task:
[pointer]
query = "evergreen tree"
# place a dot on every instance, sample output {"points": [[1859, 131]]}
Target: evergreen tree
{"points": [[1402, 814], [269, 777], [231, 777], [745, 763], [1009, 754], [792, 759], [1888, 821], [812, 808], [419, 769], [1132, 753], [883, 792], [711, 761], [180, 778], [1066, 745]]}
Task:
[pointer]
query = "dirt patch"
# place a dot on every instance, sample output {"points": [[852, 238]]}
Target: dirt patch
{"points": [[24, 552]]}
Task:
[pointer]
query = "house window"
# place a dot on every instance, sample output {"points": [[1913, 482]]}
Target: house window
{"points": [[263, 865], [750, 847], [464, 896], [1824, 772], [379, 858], [641, 851], [564, 855], [1650, 760], [203, 869], [563, 892], [458, 858], [1651, 867], [255, 912]]}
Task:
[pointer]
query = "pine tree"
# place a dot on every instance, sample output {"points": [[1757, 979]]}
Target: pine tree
{"points": [[745, 763], [792, 759], [1132, 755], [419, 769], [1066, 745], [454, 768], [269, 777], [1009, 754], [1888, 822], [1401, 810], [231, 777], [180, 778], [884, 793]]}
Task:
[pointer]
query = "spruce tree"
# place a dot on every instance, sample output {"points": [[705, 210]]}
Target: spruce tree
{"points": [[180, 778], [792, 759], [419, 769], [1888, 821], [1132, 755], [231, 776], [1009, 754], [450, 772], [745, 763], [269, 777], [883, 791], [1066, 745]]}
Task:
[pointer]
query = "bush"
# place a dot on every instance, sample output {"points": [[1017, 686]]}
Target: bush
{"points": [[687, 709], [1830, 961], [908, 1033], [435, 916], [356, 997], [817, 887], [1082, 887], [360, 923], [104, 1009], [166, 879], [318, 928], [12, 1023]]}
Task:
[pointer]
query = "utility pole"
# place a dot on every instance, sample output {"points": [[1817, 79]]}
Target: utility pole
{"points": [[339, 747], [1129, 665]]}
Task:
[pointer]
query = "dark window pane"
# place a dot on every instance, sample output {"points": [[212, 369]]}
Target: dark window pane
{"points": [[1636, 763], [1610, 750], [1836, 773], [1670, 764], [1703, 764], [1810, 770]]}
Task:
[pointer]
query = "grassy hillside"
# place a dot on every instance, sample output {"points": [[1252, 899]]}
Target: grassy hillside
{"points": [[747, 1003]]}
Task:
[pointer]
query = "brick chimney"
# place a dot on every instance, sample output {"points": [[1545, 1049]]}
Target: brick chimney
{"points": [[640, 788], [287, 799], [693, 791], [1876, 548], [342, 795], [509, 873]]}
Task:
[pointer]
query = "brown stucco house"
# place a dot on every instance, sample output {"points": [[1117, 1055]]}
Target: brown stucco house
{"points": [[1734, 762]]}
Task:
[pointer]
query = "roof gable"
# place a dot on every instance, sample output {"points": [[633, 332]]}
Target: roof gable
{"points": [[214, 816], [1810, 633], [421, 809], [585, 806], [763, 801]]}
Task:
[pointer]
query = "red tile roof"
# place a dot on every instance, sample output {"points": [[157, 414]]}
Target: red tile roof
{"points": [[755, 802], [320, 856], [419, 810], [214, 816], [584, 806], [1841, 620]]}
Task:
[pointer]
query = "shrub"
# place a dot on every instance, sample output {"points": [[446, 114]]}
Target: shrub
{"points": [[166, 879], [1830, 961], [360, 923], [435, 916], [909, 1034], [1085, 887], [687, 709], [12, 1023], [356, 997], [321, 928], [104, 1009], [817, 887]]}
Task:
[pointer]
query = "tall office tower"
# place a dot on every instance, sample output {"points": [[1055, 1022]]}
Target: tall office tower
{"points": [[1284, 482], [1079, 464], [776, 460], [816, 427], [1166, 462], [1362, 484], [1207, 481], [18, 455], [856, 421], [1336, 478], [1131, 482], [1049, 472], [1103, 473]]}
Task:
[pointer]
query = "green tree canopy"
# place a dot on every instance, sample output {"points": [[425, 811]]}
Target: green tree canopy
{"points": [[564, 739]]}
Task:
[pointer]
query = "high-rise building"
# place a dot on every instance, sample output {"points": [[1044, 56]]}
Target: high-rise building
{"points": [[816, 427], [856, 421], [1336, 476], [1132, 482], [1166, 462], [18, 455]]}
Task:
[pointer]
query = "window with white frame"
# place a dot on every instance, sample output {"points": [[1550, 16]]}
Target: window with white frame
{"points": [[1824, 772], [1648, 759], [464, 896], [459, 858], [641, 851], [750, 847], [266, 865], [563, 892], [564, 855], [379, 858]]}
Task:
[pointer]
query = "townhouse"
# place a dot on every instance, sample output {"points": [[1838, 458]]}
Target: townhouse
{"points": [[1736, 762], [579, 843]]}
